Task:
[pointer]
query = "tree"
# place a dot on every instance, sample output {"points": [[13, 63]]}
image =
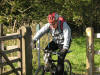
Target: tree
{"points": [[76, 12]]}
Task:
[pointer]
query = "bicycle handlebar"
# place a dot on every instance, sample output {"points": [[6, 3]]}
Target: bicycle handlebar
{"points": [[54, 53]]}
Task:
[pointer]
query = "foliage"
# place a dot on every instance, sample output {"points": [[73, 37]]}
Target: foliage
{"points": [[77, 57], [78, 13]]}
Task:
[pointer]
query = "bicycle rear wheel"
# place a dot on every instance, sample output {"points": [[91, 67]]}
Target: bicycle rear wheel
{"points": [[40, 71], [67, 67]]}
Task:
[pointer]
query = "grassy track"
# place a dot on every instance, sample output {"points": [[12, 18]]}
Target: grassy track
{"points": [[77, 57]]}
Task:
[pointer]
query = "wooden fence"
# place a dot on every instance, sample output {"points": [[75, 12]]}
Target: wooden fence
{"points": [[24, 50], [90, 52]]}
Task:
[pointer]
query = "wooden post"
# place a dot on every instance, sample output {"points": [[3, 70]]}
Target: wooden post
{"points": [[26, 51], [19, 42], [1, 33], [90, 51], [0, 55], [38, 46]]}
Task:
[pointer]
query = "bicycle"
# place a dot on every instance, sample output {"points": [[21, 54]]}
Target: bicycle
{"points": [[50, 65]]}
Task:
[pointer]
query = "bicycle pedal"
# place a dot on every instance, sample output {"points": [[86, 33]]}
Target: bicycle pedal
{"points": [[46, 69], [54, 70]]}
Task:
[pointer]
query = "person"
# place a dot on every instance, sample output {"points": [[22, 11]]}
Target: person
{"points": [[61, 34]]}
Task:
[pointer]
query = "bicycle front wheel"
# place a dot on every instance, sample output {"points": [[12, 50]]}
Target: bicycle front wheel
{"points": [[67, 67], [40, 71]]}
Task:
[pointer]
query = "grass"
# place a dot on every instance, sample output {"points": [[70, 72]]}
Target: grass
{"points": [[77, 57]]}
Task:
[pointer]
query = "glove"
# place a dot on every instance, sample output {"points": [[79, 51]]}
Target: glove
{"points": [[34, 43], [63, 51]]}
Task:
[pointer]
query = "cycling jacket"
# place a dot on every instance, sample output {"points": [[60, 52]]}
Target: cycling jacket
{"points": [[59, 36]]}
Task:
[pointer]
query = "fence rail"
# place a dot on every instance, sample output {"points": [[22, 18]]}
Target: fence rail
{"points": [[97, 35], [90, 52], [12, 61], [97, 52], [10, 37], [11, 71], [12, 50]]}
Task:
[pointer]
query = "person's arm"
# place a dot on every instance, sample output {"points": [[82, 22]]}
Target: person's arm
{"points": [[67, 35], [41, 32]]}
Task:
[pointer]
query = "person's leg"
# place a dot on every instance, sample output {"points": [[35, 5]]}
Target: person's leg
{"points": [[60, 65], [52, 46]]}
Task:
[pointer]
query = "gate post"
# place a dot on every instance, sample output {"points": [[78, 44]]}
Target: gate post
{"points": [[38, 42], [26, 50], [1, 46], [90, 51]]}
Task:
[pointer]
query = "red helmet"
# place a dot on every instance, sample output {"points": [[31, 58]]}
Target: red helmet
{"points": [[55, 15], [51, 19]]}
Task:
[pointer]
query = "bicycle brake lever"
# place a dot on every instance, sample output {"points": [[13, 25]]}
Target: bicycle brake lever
{"points": [[34, 46]]}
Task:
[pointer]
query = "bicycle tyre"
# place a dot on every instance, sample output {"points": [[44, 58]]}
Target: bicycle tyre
{"points": [[67, 67], [40, 71]]}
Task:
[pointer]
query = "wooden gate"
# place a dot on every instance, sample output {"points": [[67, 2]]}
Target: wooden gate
{"points": [[23, 51], [90, 52]]}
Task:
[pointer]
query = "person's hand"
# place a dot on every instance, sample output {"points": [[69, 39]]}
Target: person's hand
{"points": [[34, 43], [63, 51]]}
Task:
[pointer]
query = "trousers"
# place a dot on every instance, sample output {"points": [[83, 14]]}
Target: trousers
{"points": [[60, 64]]}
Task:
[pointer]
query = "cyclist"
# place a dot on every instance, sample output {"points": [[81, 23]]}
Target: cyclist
{"points": [[61, 34]]}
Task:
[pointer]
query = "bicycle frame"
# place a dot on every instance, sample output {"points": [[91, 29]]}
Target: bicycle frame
{"points": [[50, 66], [49, 62], [48, 58]]}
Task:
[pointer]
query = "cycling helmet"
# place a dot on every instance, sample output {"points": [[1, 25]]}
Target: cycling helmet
{"points": [[51, 19], [55, 15]]}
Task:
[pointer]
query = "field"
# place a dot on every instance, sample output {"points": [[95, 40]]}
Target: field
{"points": [[77, 57]]}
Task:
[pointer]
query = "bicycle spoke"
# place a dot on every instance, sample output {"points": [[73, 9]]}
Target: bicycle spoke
{"points": [[40, 71], [67, 68]]}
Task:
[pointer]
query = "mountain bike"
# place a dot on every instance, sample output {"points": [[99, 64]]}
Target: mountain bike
{"points": [[50, 65]]}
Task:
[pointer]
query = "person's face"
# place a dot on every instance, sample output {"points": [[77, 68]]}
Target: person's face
{"points": [[53, 23]]}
